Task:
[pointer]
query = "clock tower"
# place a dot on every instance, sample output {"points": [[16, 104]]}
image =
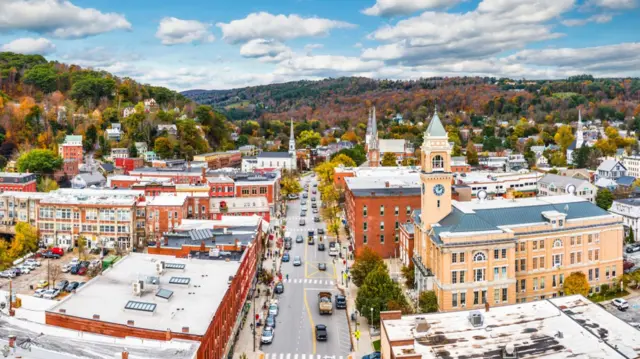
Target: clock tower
{"points": [[436, 173]]}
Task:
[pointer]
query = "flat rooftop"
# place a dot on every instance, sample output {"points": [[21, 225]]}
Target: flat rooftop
{"points": [[397, 180], [487, 176], [193, 297], [548, 328], [116, 197]]}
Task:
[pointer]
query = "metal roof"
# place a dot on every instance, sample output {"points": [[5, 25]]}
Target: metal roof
{"points": [[435, 127]]}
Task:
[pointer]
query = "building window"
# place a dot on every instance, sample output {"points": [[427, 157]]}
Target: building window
{"points": [[597, 272], [496, 254], [479, 257], [454, 257], [397, 210], [397, 238], [542, 244], [523, 247], [504, 253], [454, 277], [462, 275], [397, 225], [382, 238], [408, 210], [438, 203], [541, 283], [364, 226], [558, 243], [535, 245], [523, 285], [476, 298], [382, 226], [557, 260], [479, 275], [263, 190], [535, 283], [437, 162], [504, 294], [496, 295], [454, 300], [554, 282], [463, 299], [364, 239], [596, 255], [364, 211]]}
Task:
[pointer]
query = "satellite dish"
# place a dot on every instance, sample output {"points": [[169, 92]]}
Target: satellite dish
{"points": [[571, 189], [482, 195]]}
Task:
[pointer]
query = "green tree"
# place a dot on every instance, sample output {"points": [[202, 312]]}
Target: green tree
{"points": [[133, 150], [47, 184], [43, 77], [39, 161], [580, 156], [604, 198], [389, 160], [308, 138], [576, 283], [379, 293], [408, 161], [163, 147], [472, 155], [558, 159], [428, 302], [90, 138], [93, 89], [191, 142], [365, 262], [630, 237], [409, 274], [356, 153]]}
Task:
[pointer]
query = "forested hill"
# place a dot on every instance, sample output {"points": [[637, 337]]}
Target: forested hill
{"points": [[42, 101], [345, 100]]}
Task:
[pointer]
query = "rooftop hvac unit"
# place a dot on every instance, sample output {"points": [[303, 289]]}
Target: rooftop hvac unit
{"points": [[509, 352], [137, 287], [159, 267], [214, 252], [476, 319]]}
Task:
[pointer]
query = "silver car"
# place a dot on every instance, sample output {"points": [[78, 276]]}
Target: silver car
{"points": [[267, 335], [297, 261]]}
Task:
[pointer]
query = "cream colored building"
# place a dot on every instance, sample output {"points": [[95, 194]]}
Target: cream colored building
{"points": [[505, 251]]}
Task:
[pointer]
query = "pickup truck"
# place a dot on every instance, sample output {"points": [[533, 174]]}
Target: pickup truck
{"points": [[324, 303]]}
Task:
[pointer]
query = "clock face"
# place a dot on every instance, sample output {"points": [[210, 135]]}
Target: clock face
{"points": [[438, 189]]}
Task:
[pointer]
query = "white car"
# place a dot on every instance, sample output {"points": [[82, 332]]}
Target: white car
{"points": [[273, 309], [33, 262], [74, 261], [24, 269], [66, 268], [267, 335], [620, 303], [50, 293], [39, 292], [29, 265]]}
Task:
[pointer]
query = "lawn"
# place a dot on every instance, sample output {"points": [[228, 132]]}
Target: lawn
{"points": [[376, 345], [601, 297], [237, 105], [563, 95]]}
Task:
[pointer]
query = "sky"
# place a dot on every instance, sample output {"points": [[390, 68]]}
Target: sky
{"points": [[214, 44]]}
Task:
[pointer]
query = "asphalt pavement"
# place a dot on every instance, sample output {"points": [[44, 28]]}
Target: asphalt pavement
{"points": [[298, 305]]}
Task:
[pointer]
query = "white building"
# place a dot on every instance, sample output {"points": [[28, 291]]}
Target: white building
{"points": [[497, 184], [632, 164], [554, 185], [578, 142], [273, 160], [629, 209], [171, 129], [493, 162], [142, 147], [119, 152], [87, 180], [128, 111], [611, 169]]}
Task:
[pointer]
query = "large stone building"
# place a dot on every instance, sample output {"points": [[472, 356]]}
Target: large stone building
{"points": [[505, 251]]}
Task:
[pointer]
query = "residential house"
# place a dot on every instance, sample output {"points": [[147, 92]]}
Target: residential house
{"points": [[119, 152], [141, 147], [171, 129], [555, 185], [611, 169], [88, 180]]}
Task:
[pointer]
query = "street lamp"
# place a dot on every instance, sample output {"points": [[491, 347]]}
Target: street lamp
{"points": [[371, 316]]}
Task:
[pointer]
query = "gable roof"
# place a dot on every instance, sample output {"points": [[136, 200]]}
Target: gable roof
{"points": [[561, 181], [608, 165], [625, 181]]}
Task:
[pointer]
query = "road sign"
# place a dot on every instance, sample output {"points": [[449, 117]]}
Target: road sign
{"points": [[357, 334]]}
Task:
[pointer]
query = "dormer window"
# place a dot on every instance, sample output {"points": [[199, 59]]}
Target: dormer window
{"points": [[437, 163]]}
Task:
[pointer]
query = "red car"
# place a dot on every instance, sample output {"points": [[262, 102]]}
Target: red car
{"points": [[82, 270], [57, 250]]}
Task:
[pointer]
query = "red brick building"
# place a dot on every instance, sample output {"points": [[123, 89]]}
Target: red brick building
{"points": [[164, 213], [71, 148], [377, 207], [407, 234], [17, 182], [129, 164], [69, 170]]}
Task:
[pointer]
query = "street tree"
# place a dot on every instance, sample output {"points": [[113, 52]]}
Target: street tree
{"points": [[409, 274], [379, 293], [428, 302], [604, 198], [576, 283], [39, 161], [55, 272], [389, 160], [342, 159], [365, 262], [26, 237]]}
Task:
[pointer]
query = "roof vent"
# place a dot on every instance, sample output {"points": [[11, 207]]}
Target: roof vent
{"points": [[476, 319], [422, 326], [509, 352]]}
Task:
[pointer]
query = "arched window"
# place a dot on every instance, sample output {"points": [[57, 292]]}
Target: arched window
{"points": [[479, 257], [557, 243], [437, 162]]}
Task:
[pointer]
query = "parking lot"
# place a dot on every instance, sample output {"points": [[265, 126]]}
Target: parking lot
{"points": [[27, 283]]}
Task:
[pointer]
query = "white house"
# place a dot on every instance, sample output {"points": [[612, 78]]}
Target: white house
{"points": [[629, 209], [128, 112], [120, 152], [142, 147], [611, 169], [555, 185], [115, 132], [86, 180], [171, 129]]}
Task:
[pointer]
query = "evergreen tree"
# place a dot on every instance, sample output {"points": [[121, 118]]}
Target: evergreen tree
{"points": [[133, 150]]}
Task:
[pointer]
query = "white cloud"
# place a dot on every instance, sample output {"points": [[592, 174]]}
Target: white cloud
{"points": [[405, 7], [598, 19], [308, 48], [58, 18], [614, 4], [173, 31], [358, 45], [493, 27], [327, 66], [265, 50], [264, 25], [30, 46]]}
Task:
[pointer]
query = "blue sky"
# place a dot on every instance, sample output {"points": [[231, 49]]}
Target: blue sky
{"points": [[216, 44]]}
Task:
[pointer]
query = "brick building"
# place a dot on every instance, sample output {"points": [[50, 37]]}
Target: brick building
{"points": [[216, 160], [164, 213], [243, 206], [376, 207], [128, 164], [460, 165], [71, 148], [18, 182]]}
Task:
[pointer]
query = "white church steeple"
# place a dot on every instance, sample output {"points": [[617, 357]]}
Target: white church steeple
{"points": [[292, 140]]}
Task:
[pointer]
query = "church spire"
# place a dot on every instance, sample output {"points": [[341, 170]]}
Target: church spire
{"points": [[373, 137], [292, 140]]}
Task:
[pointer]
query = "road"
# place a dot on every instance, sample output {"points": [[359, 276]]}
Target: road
{"points": [[294, 333]]}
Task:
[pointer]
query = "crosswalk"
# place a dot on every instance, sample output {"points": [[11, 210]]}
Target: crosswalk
{"points": [[303, 356], [309, 281]]}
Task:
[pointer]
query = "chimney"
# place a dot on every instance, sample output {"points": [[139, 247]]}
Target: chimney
{"points": [[185, 329], [96, 316], [167, 335], [125, 354], [130, 322], [386, 184], [204, 173]]}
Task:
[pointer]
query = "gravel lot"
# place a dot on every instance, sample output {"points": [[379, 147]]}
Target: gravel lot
{"points": [[23, 282]]}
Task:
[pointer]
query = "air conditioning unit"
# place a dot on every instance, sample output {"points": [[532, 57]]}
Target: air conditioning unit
{"points": [[137, 287], [159, 267]]}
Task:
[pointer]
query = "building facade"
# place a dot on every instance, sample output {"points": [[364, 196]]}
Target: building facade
{"points": [[629, 210], [554, 185], [498, 184], [71, 148], [503, 251], [17, 182], [632, 164]]}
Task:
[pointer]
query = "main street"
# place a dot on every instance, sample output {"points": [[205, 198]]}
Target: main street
{"points": [[298, 306]]}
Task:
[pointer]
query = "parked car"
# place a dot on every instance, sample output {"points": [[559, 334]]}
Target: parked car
{"points": [[16, 271], [42, 283], [57, 250], [316, 219], [66, 268], [72, 286], [29, 265], [321, 332], [302, 222], [285, 257], [620, 303], [24, 269], [50, 293], [303, 213], [267, 335], [374, 355], [270, 322], [7, 274], [320, 230], [74, 261], [633, 248], [279, 288], [303, 202], [313, 199], [297, 261], [341, 301], [50, 255], [74, 269], [34, 262], [273, 309], [61, 285], [313, 205], [82, 270], [39, 292], [322, 266]]}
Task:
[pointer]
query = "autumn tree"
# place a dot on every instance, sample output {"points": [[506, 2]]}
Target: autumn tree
{"points": [[47, 184], [389, 160], [39, 161], [344, 160], [54, 273], [290, 185], [163, 147], [308, 138], [576, 283], [82, 247], [409, 274], [364, 263], [564, 137], [350, 136], [472, 155], [25, 240]]}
